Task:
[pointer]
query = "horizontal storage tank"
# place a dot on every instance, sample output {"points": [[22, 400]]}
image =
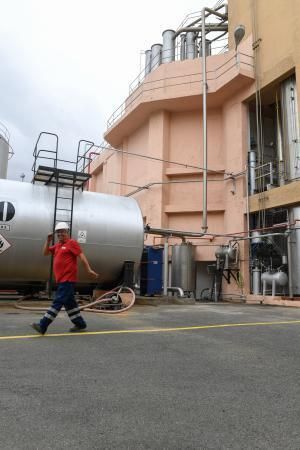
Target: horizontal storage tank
{"points": [[184, 267], [110, 231]]}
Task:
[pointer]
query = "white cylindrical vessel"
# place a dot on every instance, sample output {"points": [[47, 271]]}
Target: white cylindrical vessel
{"points": [[147, 62], [184, 267], [256, 280], [207, 47], [156, 50], [182, 47], [4, 154], [274, 279], [168, 50], [294, 270], [191, 51], [290, 123]]}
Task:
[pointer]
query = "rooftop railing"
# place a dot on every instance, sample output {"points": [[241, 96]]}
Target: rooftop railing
{"points": [[237, 60]]}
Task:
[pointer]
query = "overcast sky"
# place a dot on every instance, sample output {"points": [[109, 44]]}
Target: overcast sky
{"points": [[66, 65]]}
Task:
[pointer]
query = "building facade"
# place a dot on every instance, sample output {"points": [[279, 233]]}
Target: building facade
{"points": [[156, 148]]}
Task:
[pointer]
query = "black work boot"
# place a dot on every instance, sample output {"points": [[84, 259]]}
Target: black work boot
{"points": [[77, 329], [37, 327]]}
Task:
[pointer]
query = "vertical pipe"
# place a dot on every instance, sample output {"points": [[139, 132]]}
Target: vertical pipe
{"points": [[281, 168], [252, 164], [273, 288], [166, 266], [271, 173], [204, 125], [264, 287], [289, 256], [247, 201]]}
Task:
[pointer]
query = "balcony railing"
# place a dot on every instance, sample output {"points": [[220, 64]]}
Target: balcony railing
{"points": [[237, 60]]}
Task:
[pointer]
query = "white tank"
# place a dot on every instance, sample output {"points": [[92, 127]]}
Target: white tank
{"points": [[4, 153], [280, 277], [109, 227]]}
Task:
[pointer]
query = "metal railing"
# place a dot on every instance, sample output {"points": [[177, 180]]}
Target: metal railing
{"points": [[266, 174], [215, 50], [4, 133], [237, 60], [50, 155], [195, 16]]}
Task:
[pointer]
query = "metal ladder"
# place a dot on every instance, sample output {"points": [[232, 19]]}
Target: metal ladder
{"points": [[64, 181]]}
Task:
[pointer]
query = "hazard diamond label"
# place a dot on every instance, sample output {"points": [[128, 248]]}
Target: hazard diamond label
{"points": [[4, 244]]}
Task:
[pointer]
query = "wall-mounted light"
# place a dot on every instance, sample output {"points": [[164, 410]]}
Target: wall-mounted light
{"points": [[239, 33]]}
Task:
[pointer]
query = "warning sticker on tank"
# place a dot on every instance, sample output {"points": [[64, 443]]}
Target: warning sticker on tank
{"points": [[4, 227], [82, 234], [4, 244]]}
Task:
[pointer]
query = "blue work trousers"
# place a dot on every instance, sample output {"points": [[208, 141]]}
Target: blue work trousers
{"points": [[65, 296]]}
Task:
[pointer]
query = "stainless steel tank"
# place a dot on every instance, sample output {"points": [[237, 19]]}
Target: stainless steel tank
{"points": [[290, 122], [191, 51], [182, 47], [227, 254], [184, 267], [168, 50], [207, 48], [256, 280], [4, 153], [147, 62], [294, 270], [156, 50], [109, 229]]}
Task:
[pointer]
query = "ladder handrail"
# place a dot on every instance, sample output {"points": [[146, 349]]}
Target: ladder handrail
{"points": [[36, 152]]}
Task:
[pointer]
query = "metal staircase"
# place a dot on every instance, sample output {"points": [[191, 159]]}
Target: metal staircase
{"points": [[65, 181]]}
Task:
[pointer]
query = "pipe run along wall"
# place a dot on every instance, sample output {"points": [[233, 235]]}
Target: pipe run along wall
{"points": [[109, 229]]}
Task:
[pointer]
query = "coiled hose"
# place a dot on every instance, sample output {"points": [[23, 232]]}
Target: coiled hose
{"points": [[120, 293]]}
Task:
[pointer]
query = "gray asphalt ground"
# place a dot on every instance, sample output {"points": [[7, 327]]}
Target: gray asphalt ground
{"points": [[208, 388]]}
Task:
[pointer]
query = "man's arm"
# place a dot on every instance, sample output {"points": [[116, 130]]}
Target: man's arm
{"points": [[87, 266], [46, 250]]}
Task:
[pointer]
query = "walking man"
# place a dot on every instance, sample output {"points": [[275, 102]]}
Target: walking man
{"points": [[65, 254]]}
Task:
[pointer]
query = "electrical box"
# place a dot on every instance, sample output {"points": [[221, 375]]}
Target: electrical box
{"points": [[151, 281]]}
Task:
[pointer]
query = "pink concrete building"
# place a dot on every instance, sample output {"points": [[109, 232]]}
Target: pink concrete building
{"points": [[155, 149]]}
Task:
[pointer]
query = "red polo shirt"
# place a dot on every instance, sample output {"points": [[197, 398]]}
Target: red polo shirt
{"points": [[65, 260]]}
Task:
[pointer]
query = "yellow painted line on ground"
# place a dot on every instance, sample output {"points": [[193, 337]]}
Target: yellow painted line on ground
{"points": [[152, 330]]}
